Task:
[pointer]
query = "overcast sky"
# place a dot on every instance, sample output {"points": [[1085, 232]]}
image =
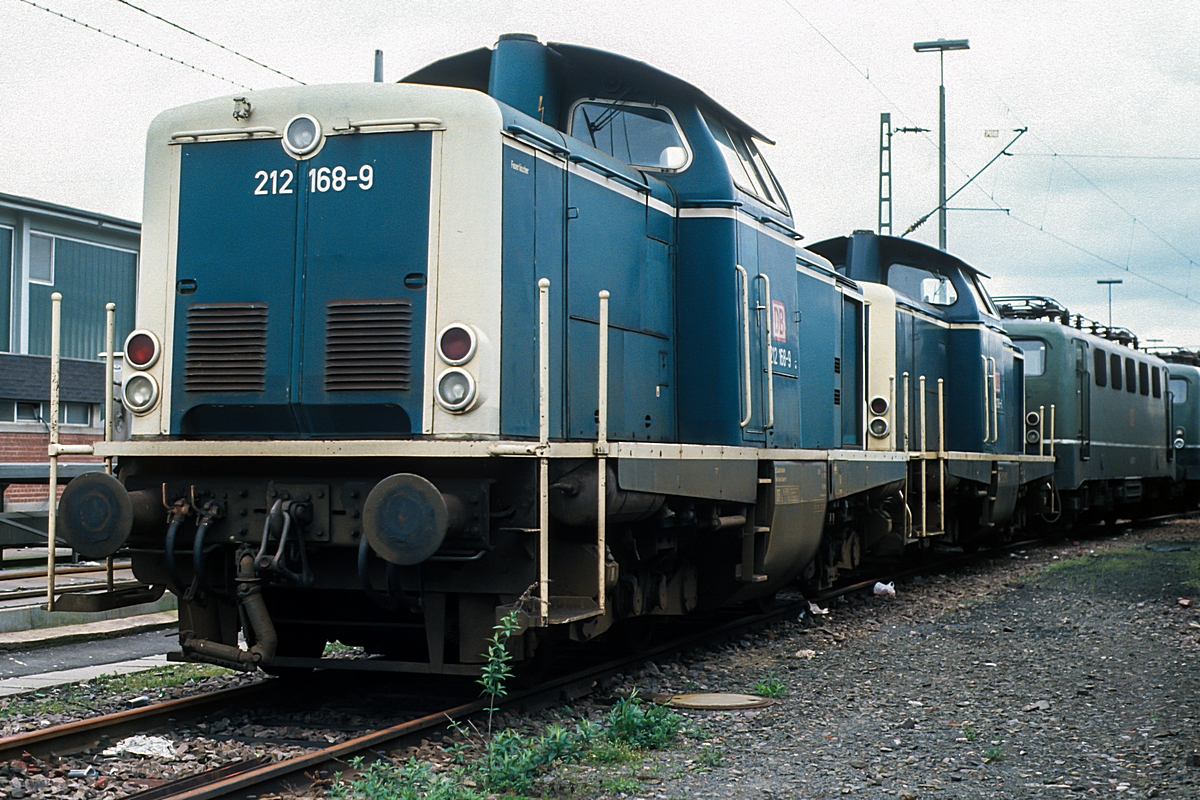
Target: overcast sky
{"points": [[1104, 184]]}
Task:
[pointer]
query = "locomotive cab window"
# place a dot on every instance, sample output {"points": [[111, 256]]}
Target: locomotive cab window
{"points": [[746, 164], [983, 300], [1178, 387], [922, 284], [1115, 362], [1130, 376], [1035, 356], [1100, 366], [1144, 378], [640, 135]]}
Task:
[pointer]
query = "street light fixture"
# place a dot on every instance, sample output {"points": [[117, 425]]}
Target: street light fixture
{"points": [[1109, 283], [940, 46]]}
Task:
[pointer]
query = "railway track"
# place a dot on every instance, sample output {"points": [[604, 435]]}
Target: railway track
{"points": [[255, 777]]}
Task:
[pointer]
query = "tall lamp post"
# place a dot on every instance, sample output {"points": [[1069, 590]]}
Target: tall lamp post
{"points": [[1109, 283], [940, 47]]}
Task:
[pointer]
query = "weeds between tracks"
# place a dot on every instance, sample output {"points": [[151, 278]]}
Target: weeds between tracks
{"points": [[508, 762]]}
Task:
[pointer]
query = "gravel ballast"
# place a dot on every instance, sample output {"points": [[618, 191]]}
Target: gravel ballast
{"points": [[1063, 671]]}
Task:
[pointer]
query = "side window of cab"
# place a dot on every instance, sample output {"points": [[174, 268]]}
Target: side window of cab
{"points": [[746, 164], [641, 135]]}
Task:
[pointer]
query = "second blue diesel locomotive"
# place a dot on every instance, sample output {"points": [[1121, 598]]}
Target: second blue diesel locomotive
{"points": [[531, 329]]}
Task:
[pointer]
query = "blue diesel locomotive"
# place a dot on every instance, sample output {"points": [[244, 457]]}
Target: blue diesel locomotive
{"points": [[531, 329]]}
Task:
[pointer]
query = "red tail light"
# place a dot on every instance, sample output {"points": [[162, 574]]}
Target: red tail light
{"points": [[141, 349]]}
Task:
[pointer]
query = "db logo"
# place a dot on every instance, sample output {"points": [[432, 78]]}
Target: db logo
{"points": [[778, 321]]}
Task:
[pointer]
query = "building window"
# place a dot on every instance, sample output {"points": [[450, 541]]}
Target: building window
{"points": [[1100, 362], [41, 259], [29, 412], [69, 413]]}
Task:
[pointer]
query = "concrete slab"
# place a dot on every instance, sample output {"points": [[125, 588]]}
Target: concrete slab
{"points": [[31, 683], [100, 629]]}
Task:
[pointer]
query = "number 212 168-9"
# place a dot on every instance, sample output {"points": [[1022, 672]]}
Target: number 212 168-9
{"points": [[323, 179]]}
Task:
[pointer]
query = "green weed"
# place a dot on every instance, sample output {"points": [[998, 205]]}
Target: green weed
{"points": [[969, 732], [993, 754], [770, 686], [622, 786], [639, 726]]}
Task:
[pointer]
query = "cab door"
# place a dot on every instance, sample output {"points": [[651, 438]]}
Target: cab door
{"points": [[1083, 384]]}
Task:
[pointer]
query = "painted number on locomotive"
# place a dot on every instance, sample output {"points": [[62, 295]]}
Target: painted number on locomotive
{"points": [[324, 179], [782, 358]]}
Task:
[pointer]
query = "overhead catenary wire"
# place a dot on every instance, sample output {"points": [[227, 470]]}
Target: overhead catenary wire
{"points": [[203, 38], [1008, 108], [135, 44]]}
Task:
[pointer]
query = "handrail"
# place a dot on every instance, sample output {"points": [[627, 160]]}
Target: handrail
{"points": [[416, 122], [543, 570], [52, 497], [110, 318], [987, 411], [609, 172], [602, 461], [524, 133], [746, 341], [770, 324], [224, 132], [789, 230], [715, 203], [995, 403]]}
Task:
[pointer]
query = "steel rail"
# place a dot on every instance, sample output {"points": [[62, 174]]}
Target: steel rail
{"points": [[61, 589], [40, 572], [76, 736]]}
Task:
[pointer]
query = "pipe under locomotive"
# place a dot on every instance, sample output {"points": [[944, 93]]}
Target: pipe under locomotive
{"points": [[412, 356]]}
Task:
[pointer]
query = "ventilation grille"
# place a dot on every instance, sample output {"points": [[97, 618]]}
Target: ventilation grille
{"points": [[368, 345], [226, 347], [837, 397], [837, 366]]}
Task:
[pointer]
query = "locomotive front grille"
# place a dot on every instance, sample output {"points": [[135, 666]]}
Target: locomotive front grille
{"points": [[368, 345], [226, 347]]}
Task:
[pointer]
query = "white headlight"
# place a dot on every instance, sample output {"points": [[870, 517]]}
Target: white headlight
{"points": [[878, 427], [302, 135], [455, 390], [140, 392], [1179, 443]]}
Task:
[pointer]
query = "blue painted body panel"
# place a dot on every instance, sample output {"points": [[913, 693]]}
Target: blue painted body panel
{"points": [[303, 250], [947, 342]]}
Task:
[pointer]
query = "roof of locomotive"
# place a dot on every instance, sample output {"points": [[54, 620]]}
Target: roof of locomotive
{"points": [[913, 252], [1052, 329], [587, 71]]}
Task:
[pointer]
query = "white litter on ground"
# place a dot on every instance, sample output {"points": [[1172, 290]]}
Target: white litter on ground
{"points": [[148, 746]]}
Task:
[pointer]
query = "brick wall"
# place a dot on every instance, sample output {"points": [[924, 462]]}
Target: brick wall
{"points": [[31, 448]]}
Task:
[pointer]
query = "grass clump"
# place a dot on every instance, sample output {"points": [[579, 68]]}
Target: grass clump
{"points": [[993, 754], [770, 686], [1135, 570], [649, 728], [90, 696], [969, 732]]}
